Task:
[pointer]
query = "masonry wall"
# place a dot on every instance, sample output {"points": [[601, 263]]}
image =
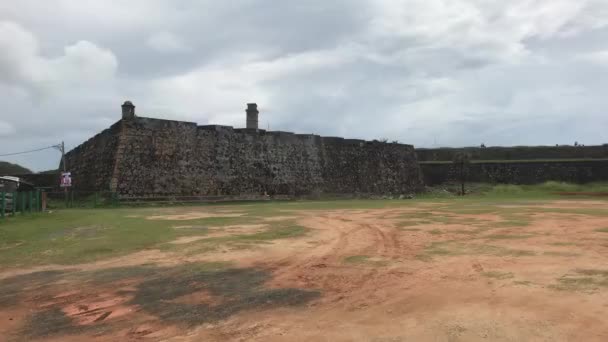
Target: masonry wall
{"points": [[515, 153], [151, 157], [92, 163], [529, 172]]}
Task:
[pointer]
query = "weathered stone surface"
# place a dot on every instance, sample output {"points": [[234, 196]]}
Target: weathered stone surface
{"points": [[519, 172], [515, 153], [94, 161], [151, 157]]}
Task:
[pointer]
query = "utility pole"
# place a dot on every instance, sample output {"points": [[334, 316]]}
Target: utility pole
{"points": [[63, 162]]}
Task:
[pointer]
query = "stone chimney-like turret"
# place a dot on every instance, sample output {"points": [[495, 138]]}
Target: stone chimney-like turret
{"points": [[252, 115], [128, 110]]}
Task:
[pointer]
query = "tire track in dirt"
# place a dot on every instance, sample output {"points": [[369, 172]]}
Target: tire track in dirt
{"points": [[323, 266]]}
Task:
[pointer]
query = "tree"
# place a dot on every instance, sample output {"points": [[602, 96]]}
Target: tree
{"points": [[461, 161]]}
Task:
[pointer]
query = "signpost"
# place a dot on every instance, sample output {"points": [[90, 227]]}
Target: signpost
{"points": [[66, 182], [66, 179]]}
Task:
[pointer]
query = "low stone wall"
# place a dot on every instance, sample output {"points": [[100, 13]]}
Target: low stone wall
{"points": [[520, 172], [515, 153]]}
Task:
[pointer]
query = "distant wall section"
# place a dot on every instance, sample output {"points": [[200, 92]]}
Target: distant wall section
{"points": [[519, 172], [516, 153]]}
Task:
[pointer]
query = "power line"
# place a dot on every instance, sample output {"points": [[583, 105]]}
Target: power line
{"points": [[30, 151]]}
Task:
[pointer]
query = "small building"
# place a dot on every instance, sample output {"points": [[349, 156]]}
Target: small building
{"points": [[14, 184]]}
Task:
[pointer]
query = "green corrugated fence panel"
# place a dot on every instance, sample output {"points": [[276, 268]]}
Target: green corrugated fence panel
{"points": [[2, 203]]}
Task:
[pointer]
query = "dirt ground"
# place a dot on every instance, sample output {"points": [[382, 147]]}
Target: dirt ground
{"points": [[421, 272]]}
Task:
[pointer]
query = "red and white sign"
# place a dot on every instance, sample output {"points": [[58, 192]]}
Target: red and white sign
{"points": [[66, 179]]}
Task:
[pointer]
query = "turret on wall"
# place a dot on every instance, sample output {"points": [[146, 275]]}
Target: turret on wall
{"points": [[252, 115], [128, 110]]}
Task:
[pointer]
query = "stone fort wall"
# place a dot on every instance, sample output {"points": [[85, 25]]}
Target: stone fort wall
{"points": [[141, 157], [519, 172], [515, 153]]}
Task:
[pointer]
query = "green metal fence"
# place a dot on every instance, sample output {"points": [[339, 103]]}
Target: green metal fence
{"points": [[81, 199], [24, 203], [20, 203]]}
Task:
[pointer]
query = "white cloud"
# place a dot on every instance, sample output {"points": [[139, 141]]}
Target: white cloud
{"points": [[22, 65]]}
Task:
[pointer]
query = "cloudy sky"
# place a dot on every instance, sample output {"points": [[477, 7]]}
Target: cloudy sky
{"points": [[425, 72]]}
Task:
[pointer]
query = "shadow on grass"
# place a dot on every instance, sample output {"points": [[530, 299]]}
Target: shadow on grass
{"points": [[185, 295], [37, 282], [234, 290], [54, 321]]}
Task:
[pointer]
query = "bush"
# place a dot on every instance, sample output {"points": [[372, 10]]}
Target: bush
{"points": [[553, 186]]}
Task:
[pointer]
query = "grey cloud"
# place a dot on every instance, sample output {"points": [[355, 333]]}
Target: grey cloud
{"points": [[426, 72]]}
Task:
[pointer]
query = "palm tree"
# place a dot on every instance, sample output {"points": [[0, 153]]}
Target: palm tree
{"points": [[461, 162]]}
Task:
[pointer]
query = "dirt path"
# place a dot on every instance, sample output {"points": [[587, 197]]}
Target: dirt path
{"points": [[405, 299]]}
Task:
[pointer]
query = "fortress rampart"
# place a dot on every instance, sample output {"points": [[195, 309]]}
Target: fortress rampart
{"points": [[140, 157]]}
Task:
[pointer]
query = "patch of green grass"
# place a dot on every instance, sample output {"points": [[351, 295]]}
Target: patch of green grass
{"points": [[568, 211], [507, 189], [523, 282], [508, 236], [83, 235], [404, 224], [498, 275], [364, 259], [563, 244], [435, 232], [602, 230], [424, 257], [469, 232], [450, 248], [575, 284], [57, 237], [276, 231], [475, 210], [561, 254], [410, 229], [585, 280], [356, 259], [593, 272]]}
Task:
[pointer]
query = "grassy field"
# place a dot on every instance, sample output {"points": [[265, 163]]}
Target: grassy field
{"points": [[72, 236], [124, 273]]}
